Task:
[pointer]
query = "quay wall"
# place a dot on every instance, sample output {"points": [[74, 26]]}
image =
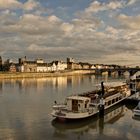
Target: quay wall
{"points": [[9, 75]]}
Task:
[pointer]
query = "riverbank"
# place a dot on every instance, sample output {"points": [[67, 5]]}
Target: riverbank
{"points": [[9, 75]]}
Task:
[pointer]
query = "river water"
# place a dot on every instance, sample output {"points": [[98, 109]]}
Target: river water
{"points": [[25, 107]]}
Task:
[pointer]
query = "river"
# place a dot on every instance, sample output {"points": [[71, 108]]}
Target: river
{"points": [[26, 104]]}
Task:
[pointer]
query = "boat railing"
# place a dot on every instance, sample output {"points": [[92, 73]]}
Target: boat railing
{"points": [[90, 110]]}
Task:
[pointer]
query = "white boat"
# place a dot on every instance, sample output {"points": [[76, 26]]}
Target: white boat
{"points": [[136, 110], [75, 107], [83, 106]]}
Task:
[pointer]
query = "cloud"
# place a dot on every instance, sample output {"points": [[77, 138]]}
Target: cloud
{"points": [[131, 2], [87, 36], [115, 5], [50, 36], [67, 28], [97, 6], [111, 30], [129, 22], [11, 4], [35, 47], [30, 24], [31, 5]]}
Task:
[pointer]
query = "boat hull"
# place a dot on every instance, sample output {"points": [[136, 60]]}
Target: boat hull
{"points": [[136, 112], [73, 116]]}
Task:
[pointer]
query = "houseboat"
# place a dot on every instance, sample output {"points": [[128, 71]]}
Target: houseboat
{"points": [[83, 106]]}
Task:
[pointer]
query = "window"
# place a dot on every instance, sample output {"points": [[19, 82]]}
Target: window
{"points": [[85, 105]]}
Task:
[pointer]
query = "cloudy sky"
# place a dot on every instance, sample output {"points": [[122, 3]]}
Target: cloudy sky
{"points": [[95, 31]]}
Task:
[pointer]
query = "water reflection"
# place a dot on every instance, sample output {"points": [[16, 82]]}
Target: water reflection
{"points": [[26, 104], [96, 124], [58, 83], [0, 86], [136, 118]]}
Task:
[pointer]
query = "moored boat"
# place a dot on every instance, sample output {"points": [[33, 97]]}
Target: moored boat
{"points": [[75, 107], [83, 106]]}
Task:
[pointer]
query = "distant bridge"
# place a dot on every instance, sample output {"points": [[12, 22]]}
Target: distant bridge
{"points": [[118, 71]]}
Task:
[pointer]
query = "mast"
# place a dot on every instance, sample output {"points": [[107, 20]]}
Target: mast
{"points": [[101, 105]]}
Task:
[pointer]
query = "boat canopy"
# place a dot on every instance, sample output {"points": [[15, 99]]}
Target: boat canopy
{"points": [[78, 98], [114, 84]]}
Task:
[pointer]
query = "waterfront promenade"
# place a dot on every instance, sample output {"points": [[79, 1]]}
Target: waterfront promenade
{"points": [[8, 75]]}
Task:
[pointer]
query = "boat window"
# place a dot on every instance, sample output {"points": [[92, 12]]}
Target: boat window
{"points": [[113, 101], [74, 105], [120, 98], [109, 103]]}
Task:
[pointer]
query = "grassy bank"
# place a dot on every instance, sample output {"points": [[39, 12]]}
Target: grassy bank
{"points": [[9, 75]]}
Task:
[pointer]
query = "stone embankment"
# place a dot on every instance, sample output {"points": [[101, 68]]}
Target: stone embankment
{"points": [[9, 75]]}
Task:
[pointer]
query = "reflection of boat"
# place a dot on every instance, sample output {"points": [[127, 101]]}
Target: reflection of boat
{"points": [[114, 113], [136, 118], [79, 128], [75, 107], [94, 123], [76, 126], [136, 110]]}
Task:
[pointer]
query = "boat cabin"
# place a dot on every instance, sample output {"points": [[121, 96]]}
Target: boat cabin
{"points": [[138, 105], [77, 103]]}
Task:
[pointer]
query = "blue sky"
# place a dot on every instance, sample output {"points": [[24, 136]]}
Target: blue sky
{"points": [[95, 31]]}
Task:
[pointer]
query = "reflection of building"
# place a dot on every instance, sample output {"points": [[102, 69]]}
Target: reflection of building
{"points": [[53, 82], [58, 82], [1, 85], [0, 63]]}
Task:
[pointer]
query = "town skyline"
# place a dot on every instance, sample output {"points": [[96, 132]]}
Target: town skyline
{"points": [[66, 60], [94, 31]]}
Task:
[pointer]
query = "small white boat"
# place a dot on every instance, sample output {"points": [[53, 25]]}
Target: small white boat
{"points": [[136, 110], [75, 107]]}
